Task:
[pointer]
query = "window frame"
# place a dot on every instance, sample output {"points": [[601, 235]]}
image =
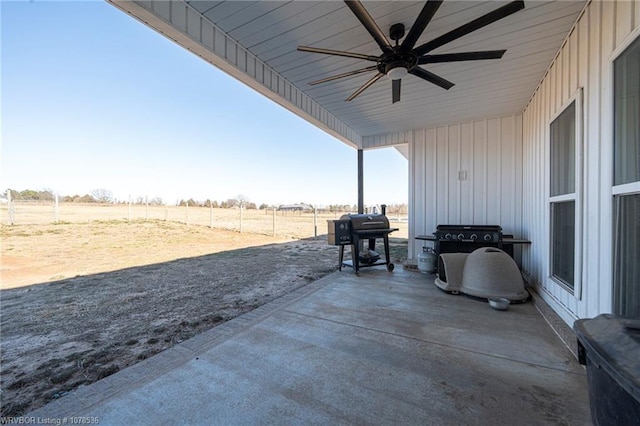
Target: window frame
{"points": [[632, 187], [617, 191], [577, 196]]}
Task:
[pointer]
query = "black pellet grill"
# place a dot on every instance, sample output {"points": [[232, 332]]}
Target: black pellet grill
{"points": [[352, 230]]}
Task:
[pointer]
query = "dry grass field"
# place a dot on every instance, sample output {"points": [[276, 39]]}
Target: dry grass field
{"points": [[263, 222], [89, 295]]}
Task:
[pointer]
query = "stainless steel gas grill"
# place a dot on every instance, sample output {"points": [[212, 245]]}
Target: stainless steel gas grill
{"points": [[467, 238], [353, 230]]}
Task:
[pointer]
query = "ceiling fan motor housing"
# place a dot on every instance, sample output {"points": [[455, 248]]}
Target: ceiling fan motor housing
{"points": [[395, 59]]}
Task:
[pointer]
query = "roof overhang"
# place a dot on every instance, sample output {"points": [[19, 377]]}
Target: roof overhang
{"points": [[256, 43]]}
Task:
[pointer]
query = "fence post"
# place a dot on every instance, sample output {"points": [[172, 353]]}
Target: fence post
{"points": [[274, 221], [56, 211], [315, 223], [11, 208]]}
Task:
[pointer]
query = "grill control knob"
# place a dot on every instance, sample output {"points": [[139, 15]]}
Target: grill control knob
{"points": [[447, 237], [487, 237], [474, 237], [461, 236]]}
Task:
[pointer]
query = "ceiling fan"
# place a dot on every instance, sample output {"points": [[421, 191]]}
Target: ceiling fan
{"points": [[397, 61]]}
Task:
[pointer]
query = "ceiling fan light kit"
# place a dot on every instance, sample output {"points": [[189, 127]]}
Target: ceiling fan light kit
{"points": [[404, 58], [397, 73]]}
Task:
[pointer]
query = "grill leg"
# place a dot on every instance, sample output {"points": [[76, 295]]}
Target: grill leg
{"points": [[355, 254], [386, 249], [341, 257]]}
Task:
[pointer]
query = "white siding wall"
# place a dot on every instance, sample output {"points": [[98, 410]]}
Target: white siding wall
{"points": [[490, 152], [584, 63]]}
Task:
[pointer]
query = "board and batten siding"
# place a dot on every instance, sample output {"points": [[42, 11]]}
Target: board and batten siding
{"points": [[466, 173], [583, 67]]}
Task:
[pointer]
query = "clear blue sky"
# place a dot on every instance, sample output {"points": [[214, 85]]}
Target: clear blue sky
{"points": [[91, 98]]}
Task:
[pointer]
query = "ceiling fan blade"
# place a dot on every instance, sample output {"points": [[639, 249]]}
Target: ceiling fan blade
{"points": [[423, 19], [457, 57], [365, 86], [346, 74], [338, 53], [431, 78], [395, 89], [367, 21], [489, 18]]}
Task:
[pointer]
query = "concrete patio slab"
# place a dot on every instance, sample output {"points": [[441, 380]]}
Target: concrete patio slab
{"points": [[382, 348]]}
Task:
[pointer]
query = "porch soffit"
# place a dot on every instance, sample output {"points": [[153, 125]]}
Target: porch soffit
{"points": [[255, 42]]}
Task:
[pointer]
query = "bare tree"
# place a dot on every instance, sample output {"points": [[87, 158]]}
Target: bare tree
{"points": [[242, 200], [102, 195]]}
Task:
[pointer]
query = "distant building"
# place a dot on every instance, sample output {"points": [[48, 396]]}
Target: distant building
{"points": [[295, 207]]}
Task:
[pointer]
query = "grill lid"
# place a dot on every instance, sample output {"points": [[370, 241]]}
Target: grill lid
{"points": [[361, 222], [476, 228]]}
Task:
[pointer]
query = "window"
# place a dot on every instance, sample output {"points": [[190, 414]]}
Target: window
{"points": [[563, 191], [626, 179], [563, 152], [563, 239], [626, 106], [626, 283]]}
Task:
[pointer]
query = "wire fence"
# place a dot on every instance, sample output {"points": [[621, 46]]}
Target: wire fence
{"points": [[281, 223]]}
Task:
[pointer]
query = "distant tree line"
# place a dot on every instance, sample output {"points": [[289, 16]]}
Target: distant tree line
{"points": [[31, 195], [97, 196], [105, 196], [230, 203]]}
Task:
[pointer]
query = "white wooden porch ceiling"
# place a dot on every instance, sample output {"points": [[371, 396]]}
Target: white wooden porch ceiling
{"points": [[272, 30]]}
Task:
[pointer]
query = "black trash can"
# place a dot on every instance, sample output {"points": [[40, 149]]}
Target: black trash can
{"points": [[610, 348]]}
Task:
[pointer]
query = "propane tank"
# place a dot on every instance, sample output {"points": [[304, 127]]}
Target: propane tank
{"points": [[427, 260]]}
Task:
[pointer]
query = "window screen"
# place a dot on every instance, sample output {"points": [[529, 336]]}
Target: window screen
{"points": [[563, 242], [626, 147], [563, 152]]}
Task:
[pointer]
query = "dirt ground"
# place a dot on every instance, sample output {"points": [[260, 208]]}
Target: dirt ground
{"points": [[79, 302]]}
